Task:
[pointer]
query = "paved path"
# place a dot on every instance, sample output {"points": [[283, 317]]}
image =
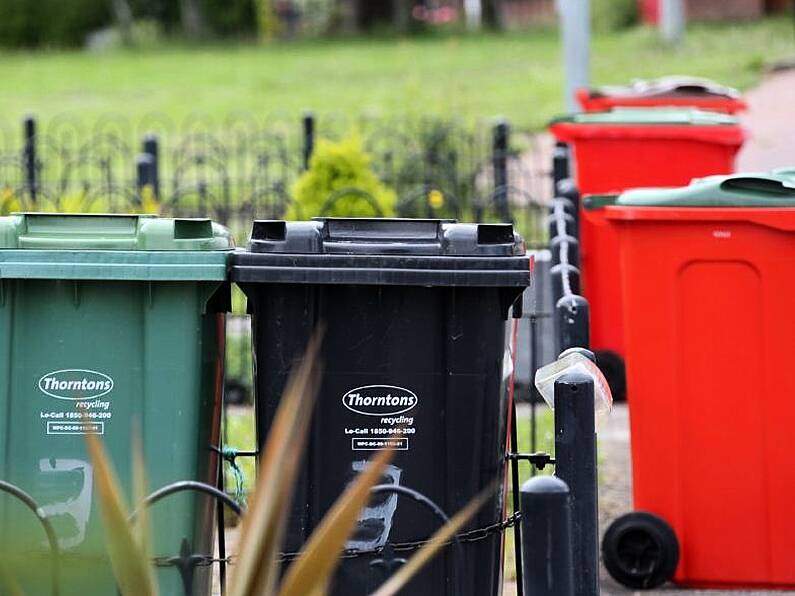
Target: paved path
{"points": [[771, 121]]}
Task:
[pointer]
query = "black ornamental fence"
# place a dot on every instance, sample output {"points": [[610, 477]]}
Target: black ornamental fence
{"points": [[243, 167]]}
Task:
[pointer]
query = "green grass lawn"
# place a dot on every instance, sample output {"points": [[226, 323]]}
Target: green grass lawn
{"points": [[516, 75]]}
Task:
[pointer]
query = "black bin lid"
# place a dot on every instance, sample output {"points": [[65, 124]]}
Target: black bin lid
{"points": [[427, 252]]}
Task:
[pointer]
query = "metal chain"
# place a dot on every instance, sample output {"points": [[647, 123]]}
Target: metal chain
{"points": [[200, 561], [475, 535]]}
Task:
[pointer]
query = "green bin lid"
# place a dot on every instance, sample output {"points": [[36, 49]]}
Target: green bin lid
{"points": [[789, 172], [739, 190], [651, 117], [99, 246]]}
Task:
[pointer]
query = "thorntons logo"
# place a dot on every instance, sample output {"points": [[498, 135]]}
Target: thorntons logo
{"points": [[75, 384], [379, 400]]}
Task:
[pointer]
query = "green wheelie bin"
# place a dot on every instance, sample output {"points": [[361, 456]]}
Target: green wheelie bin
{"points": [[110, 325]]}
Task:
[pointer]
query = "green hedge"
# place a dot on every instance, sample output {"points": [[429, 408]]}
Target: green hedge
{"points": [[43, 23], [28, 23]]}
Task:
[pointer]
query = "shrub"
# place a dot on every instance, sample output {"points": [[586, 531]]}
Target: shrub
{"points": [[9, 202], [50, 22], [340, 183], [36, 23]]}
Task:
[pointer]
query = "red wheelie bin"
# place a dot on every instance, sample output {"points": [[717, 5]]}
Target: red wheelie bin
{"points": [[677, 91], [628, 148], [706, 278]]}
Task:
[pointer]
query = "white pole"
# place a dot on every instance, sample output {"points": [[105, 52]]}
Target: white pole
{"points": [[472, 12], [672, 20], [575, 26]]}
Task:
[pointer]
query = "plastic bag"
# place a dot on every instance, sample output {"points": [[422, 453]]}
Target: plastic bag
{"points": [[575, 362]]}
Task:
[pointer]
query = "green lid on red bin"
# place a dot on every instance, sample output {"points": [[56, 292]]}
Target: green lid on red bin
{"points": [[738, 190], [650, 117]]}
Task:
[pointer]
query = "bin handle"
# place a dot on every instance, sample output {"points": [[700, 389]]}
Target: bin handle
{"points": [[598, 201], [55, 230], [771, 186]]}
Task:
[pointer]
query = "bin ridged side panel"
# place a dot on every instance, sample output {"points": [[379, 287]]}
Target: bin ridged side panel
{"points": [[710, 389], [6, 362], [148, 339], [180, 419], [446, 346], [716, 337]]}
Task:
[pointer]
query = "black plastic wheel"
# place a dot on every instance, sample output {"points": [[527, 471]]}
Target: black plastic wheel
{"points": [[640, 551], [612, 367]]}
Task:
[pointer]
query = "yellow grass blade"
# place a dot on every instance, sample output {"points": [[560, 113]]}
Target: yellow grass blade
{"points": [[141, 525], [257, 570], [132, 570], [8, 584], [312, 571], [438, 541]]}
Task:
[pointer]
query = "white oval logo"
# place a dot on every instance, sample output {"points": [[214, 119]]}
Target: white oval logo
{"points": [[75, 384], [379, 400]]}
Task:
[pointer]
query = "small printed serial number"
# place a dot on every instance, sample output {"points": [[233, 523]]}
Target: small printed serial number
{"points": [[375, 444]]}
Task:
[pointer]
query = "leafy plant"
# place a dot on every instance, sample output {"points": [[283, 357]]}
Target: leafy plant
{"points": [[340, 182], [128, 543], [9, 202]]}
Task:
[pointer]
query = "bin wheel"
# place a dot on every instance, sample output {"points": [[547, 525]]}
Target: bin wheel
{"points": [[614, 370], [640, 551]]}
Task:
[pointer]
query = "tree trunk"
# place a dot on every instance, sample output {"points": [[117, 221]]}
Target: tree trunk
{"points": [[491, 14], [191, 18], [401, 15]]}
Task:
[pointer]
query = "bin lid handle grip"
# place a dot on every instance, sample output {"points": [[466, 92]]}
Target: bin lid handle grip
{"points": [[757, 184]]}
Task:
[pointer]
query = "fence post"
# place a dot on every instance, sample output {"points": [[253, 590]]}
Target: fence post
{"points": [[562, 277], [567, 191], [309, 137], [565, 246], [29, 158], [572, 313], [560, 165], [546, 537], [144, 175], [500, 142], [575, 457], [568, 227], [151, 147]]}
